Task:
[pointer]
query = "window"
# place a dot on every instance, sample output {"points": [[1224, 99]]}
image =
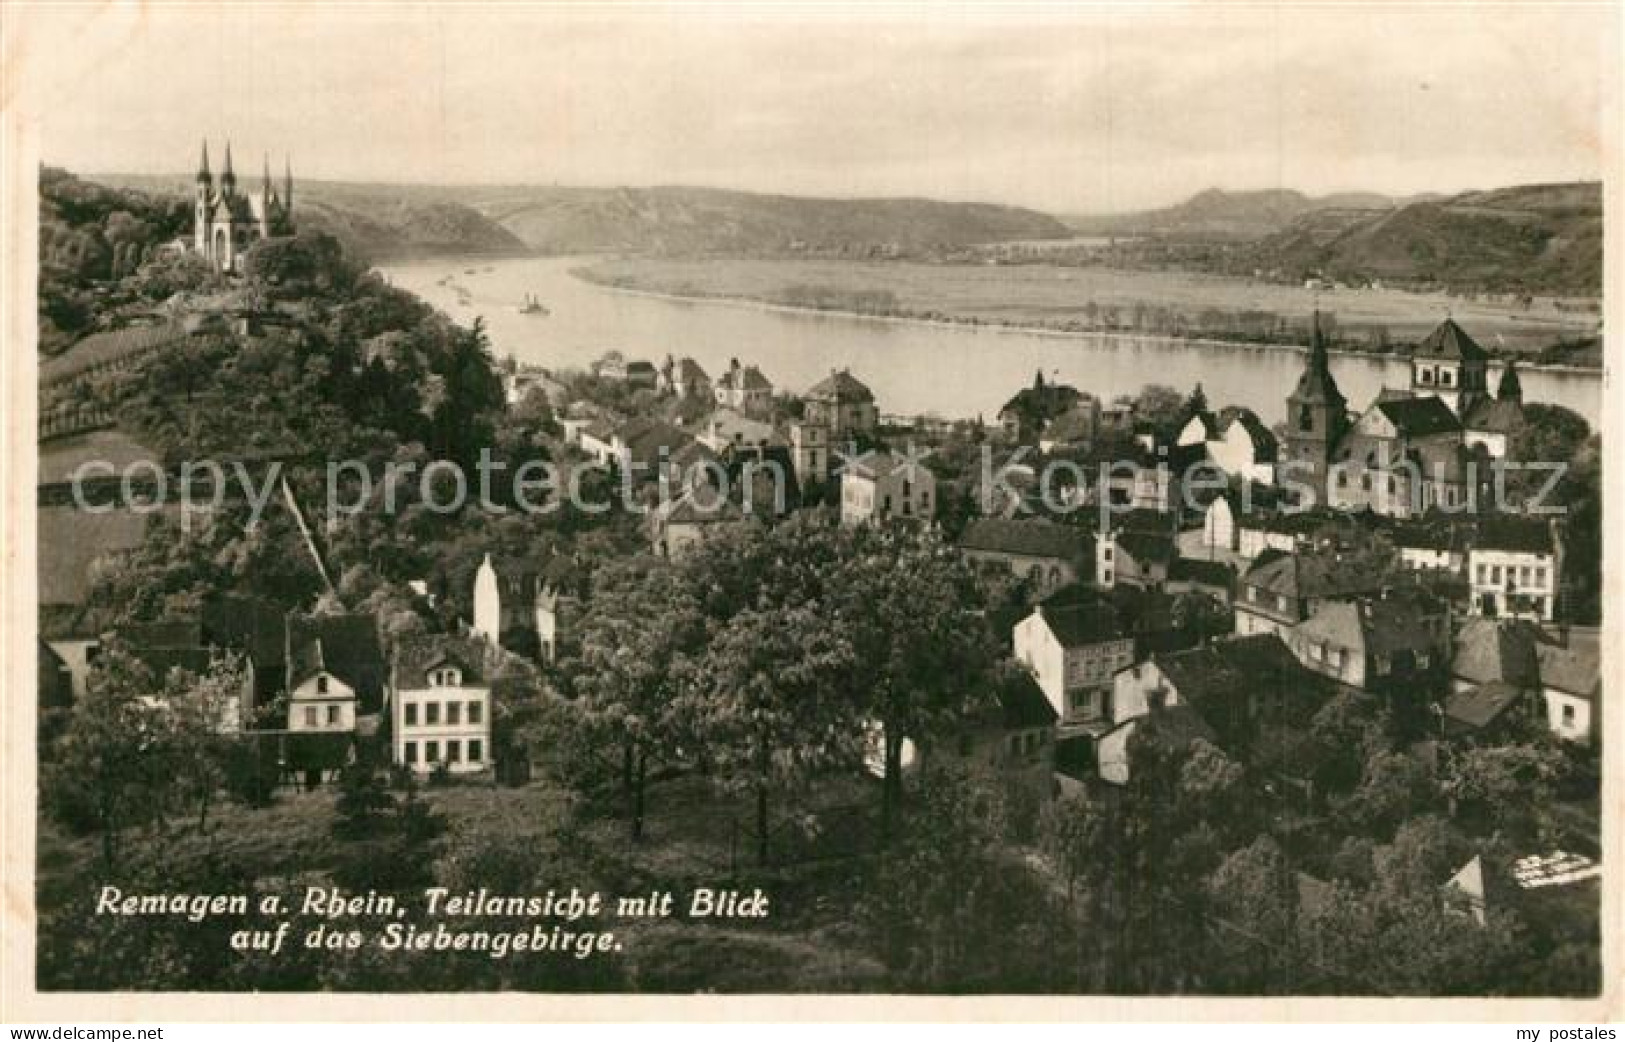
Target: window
{"points": [[1540, 577], [410, 753], [411, 714], [1446, 377], [1483, 573], [476, 754], [1317, 651], [333, 715], [431, 752], [310, 716], [454, 751], [454, 713], [1495, 573], [1106, 552], [321, 685], [474, 711], [1426, 375], [431, 712], [1568, 716], [1306, 418]]}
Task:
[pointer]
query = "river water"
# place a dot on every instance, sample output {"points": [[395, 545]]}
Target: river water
{"points": [[913, 367]]}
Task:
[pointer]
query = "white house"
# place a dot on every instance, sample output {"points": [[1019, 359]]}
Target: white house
{"points": [[441, 705], [884, 486], [1514, 568], [729, 430], [318, 700], [1074, 643], [1571, 684]]}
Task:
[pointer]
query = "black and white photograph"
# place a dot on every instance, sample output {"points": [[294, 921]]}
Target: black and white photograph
{"points": [[1088, 502]]}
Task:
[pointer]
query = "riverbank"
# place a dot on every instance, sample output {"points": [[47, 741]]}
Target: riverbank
{"points": [[834, 306]]}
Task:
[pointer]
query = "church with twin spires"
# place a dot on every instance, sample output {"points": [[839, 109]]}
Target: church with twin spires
{"points": [[227, 221]]}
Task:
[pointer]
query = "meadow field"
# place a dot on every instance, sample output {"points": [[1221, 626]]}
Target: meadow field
{"points": [[1056, 297]]}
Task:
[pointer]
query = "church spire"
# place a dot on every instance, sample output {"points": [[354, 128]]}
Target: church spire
{"points": [[1511, 389], [287, 184], [203, 174], [228, 178], [1317, 385]]}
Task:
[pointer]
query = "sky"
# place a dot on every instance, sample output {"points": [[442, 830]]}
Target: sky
{"points": [[1091, 110]]}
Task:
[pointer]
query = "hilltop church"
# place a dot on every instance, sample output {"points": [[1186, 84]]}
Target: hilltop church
{"points": [[226, 222]]}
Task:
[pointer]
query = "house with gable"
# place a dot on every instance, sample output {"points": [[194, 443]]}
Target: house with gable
{"points": [[440, 705], [1074, 643]]}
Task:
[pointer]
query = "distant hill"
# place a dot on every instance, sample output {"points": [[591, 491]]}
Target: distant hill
{"points": [[1228, 216], [683, 220], [379, 221], [376, 222], [1538, 238]]}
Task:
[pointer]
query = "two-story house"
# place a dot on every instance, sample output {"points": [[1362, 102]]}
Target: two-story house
{"points": [[1280, 590], [744, 388], [440, 708], [841, 404], [1514, 568], [886, 486], [1396, 643], [1074, 643]]}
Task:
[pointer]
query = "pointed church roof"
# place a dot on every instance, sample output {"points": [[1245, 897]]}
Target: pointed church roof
{"points": [[227, 174], [1511, 387], [203, 163], [1316, 386], [1451, 341]]}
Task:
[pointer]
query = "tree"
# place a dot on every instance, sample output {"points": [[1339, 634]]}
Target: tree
{"points": [[1255, 910], [642, 630], [112, 769], [1504, 789], [769, 705], [922, 653], [200, 707]]}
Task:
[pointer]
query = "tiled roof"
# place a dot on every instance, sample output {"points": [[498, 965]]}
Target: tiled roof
{"points": [[1420, 417], [1525, 535], [1078, 625], [1034, 538], [1480, 706], [416, 655], [1230, 668], [748, 378], [1450, 341], [1318, 574], [1208, 573], [1022, 702], [1375, 625], [1495, 650], [1573, 669], [346, 646], [840, 386]]}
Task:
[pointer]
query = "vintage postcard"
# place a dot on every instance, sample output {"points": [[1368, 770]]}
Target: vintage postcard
{"points": [[1073, 507]]}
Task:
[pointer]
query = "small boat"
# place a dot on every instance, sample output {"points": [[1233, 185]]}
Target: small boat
{"points": [[532, 306]]}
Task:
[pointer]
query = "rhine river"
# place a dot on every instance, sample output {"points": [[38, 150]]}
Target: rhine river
{"points": [[913, 367]]}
